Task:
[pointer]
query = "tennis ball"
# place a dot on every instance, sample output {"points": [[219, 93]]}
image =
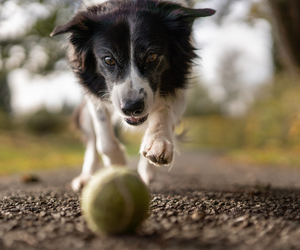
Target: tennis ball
{"points": [[115, 201]]}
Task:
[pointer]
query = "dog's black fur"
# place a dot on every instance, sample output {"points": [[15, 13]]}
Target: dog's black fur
{"points": [[160, 28]]}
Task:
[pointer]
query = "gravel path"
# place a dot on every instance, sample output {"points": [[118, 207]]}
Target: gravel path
{"points": [[202, 203]]}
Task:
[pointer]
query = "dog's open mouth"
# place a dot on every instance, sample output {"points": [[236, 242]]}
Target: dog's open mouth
{"points": [[135, 121]]}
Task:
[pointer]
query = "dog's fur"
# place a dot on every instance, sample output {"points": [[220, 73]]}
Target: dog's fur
{"points": [[133, 58]]}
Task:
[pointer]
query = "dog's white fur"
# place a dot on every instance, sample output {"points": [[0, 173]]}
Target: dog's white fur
{"points": [[130, 90], [158, 140]]}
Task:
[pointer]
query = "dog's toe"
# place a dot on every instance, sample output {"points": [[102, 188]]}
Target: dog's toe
{"points": [[162, 161], [152, 158], [158, 151]]}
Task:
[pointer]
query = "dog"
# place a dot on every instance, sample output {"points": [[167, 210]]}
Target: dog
{"points": [[133, 59]]}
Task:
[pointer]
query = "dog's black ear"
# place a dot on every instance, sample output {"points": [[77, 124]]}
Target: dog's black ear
{"points": [[176, 10], [81, 27], [77, 23], [61, 29], [85, 21], [195, 13]]}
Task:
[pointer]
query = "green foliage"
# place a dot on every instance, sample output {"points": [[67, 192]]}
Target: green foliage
{"points": [[5, 121], [274, 121], [43, 122], [199, 102], [213, 131], [4, 93]]}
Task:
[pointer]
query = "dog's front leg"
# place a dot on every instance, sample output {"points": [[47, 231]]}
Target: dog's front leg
{"points": [[158, 142], [157, 145], [146, 170], [100, 137], [107, 144], [91, 158]]}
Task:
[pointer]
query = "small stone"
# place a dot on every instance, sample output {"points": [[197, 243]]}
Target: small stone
{"points": [[56, 216], [27, 178], [14, 210], [198, 215], [43, 214]]}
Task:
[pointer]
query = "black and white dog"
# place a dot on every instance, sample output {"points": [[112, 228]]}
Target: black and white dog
{"points": [[133, 58]]}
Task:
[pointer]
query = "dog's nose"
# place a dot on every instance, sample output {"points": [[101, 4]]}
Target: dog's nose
{"points": [[133, 108]]}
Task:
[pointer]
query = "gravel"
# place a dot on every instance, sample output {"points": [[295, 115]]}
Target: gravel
{"points": [[202, 203]]}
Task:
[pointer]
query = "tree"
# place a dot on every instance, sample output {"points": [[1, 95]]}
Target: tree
{"points": [[31, 48], [286, 21]]}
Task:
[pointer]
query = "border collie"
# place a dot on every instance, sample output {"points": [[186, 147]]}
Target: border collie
{"points": [[133, 59]]}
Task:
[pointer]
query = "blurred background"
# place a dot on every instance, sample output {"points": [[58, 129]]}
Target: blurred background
{"points": [[244, 99]]}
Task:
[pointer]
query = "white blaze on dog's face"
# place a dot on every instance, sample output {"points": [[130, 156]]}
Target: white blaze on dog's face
{"points": [[133, 98], [132, 62]]}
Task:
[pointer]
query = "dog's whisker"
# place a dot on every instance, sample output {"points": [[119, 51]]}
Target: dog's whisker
{"points": [[107, 94]]}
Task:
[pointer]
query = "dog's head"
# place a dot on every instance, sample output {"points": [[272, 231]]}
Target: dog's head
{"points": [[130, 52]]}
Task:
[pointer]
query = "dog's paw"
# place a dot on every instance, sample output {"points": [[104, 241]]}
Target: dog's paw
{"points": [[79, 182], [159, 150]]}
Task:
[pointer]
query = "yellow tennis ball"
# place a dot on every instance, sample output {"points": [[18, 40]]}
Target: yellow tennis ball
{"points": [[115, 201]]}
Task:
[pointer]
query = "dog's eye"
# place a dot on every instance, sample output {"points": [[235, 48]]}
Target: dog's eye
{"points": [[151, 58], [110, 61]]}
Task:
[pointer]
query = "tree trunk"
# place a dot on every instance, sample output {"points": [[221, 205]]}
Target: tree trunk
{"points": [[286, 15]]}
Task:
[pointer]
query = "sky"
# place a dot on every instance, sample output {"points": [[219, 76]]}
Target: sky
{"points": [[34, 92], [245, 48]]}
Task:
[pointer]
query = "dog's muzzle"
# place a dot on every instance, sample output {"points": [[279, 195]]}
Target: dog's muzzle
{"points": [[135, 121], [133, 111]]}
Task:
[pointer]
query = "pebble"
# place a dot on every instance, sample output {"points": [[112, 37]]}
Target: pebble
{"points": [[198, 215]]}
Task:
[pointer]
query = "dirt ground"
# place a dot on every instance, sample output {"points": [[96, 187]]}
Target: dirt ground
{"points": [[202, 203]]}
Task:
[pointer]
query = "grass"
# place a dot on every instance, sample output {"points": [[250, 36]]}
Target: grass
{"points": [[20, 152], [25, 152], [275, 157]]}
